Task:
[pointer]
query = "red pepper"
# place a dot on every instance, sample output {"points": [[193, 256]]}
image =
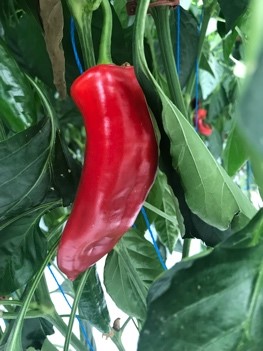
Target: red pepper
{"points": [[119, 168], [202, 127]]}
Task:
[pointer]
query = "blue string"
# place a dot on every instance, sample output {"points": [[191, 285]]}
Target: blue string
{"points": [[153, 239], [178, 43], [74, 46], [197, 78], [82, 328]]}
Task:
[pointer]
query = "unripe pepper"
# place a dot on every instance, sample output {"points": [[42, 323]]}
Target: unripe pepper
{"points": [[119, 168]]}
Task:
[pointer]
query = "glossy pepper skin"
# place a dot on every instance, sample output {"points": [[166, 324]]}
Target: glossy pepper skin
{"points": [[119, 168]]}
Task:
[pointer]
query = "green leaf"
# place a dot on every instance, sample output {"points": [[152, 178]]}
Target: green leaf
{"points": [[129, 270], [251, 105], [24, 178], [47, 346], [217, 103], [24, 45], [155, 199], [257, 168], [65, 172], [189, 38], [211, 302], [17, 109], [232, 10], [235, 153], [209, 82], [23, 248], [208, 187], [35, 332], [92, 304], [120, 9], [168, 231], [204, 64]]}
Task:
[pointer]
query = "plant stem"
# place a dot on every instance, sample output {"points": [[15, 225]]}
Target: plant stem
{"points": [[62, 327], [29, 315], [191, 82], [186, 248], [161, 18], [11, 302], [82, 14], [14, 339], [117, 341], [2, 131], [78, 294], [105, 41]]}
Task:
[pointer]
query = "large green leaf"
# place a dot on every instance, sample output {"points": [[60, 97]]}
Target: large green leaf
{"points": [[232, 10], [24, 177], [251, 106], [17, 109], [211, 302], [23, 247], [92, 304], [210, 192], [155, 199], [28, 50], [188, 42], [130, 269], [235, 153], [169, 231], [35, 332]]}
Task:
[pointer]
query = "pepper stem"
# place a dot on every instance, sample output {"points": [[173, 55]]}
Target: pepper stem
{"points": [[82, 13], [105, 41], [161, 18]]}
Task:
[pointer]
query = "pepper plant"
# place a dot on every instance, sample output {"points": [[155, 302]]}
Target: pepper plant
{"points": [[206, 113]]}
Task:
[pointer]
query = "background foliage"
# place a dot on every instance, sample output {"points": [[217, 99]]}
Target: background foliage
{"points": [[211, 301]]}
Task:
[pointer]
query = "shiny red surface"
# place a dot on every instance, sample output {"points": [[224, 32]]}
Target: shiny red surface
{"points": [[120, 164]]}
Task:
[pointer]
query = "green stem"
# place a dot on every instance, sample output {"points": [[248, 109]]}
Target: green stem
{"points": [[14, 339], [161, 18], [29, 315], [191, 82], [78, 294], [62, 327], [82, 13], [105, 41], [11, 302], [186, 248], [117, 341], [2, 131]]}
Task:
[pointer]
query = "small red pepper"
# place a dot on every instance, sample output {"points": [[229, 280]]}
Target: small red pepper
{"points": [[119, 168], [202, 127]]}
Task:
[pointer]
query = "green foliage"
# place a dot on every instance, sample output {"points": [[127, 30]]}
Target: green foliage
{"points": [[16, 95], [222, 287], [23, 248], [92, 304], [130, 269], [25, 158], [211, 301]]}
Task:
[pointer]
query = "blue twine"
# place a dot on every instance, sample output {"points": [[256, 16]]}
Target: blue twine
{"points": [[197, 78], [178, 43], [82, 328], [153, 239], [74, 46]]}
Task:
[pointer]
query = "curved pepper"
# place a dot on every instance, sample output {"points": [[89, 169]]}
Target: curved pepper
{"points": [[119, 168], [203, 127]]}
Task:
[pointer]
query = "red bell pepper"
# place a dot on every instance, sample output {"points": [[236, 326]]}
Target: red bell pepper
{"points": [[119, 168]]}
